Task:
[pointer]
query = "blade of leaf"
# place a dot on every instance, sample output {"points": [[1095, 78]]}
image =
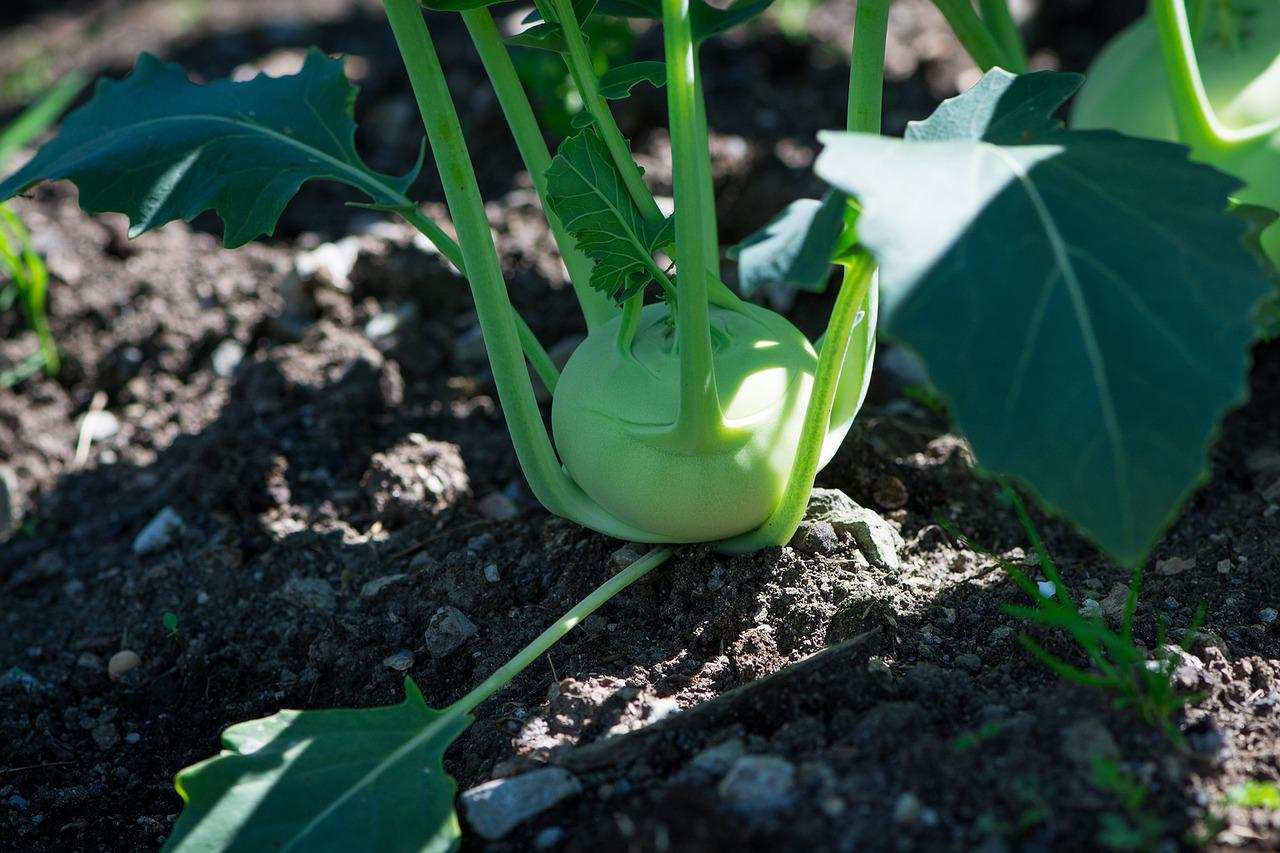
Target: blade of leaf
{"points": [[795, 248], [1081, 298], [585, 190], [368, 779], [157, 147], [617, 83]]}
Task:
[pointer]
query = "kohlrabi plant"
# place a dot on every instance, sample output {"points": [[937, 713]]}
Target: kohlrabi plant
{"points": [[1083, 302]]}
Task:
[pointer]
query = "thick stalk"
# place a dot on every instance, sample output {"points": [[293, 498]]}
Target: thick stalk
{"points": [[538, 358], [549, 637], [710, 228], [996, 15], [978, 41], [1198, 124], [550, 484], [699, 423], [588, 85], [786, 517], [597, 308]]}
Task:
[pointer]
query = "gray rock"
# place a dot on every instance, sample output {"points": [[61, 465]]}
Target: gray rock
{"points": [[159, 533], [759, 783], [499, 806], [401, 661], [969, 663], [626, 555], [449, 629], [1087, 741], [878, 540], [815, 537], [106, 736], [491, 573], [313, 593], [548, 838], [717, 760], [1267, 615], [227, 357], [370, 589], [498, 507]]}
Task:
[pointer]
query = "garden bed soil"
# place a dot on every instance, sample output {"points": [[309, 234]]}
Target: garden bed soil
{"points": [[314, 422]]}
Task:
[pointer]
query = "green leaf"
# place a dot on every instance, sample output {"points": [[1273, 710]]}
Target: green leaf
{"points": [[339, 780], [707, 19], [1082, 299], [585, 190], [157, 147], [457, 5], [617, 83], [548, 35], [796, 247]]}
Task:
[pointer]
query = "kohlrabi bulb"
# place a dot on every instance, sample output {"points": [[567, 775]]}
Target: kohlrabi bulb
{"points": [[613, 412], [1239, 57]]}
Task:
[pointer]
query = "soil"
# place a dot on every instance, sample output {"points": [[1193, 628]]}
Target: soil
{"points": [[319, 420]]}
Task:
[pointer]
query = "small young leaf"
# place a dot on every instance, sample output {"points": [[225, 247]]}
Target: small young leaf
{"points": [[1081, 298], [157, 147], [586, 192], [368, 779], [795, 248], [617, 83], [707, 19]]}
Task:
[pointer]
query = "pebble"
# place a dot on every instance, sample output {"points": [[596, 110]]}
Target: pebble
{"points": [[878, 540], [548, 838], [377, 585], [969, 662], [758, 783], [815, 537], [106, 736], [499, 806], [626, 555], [717, 760], [15, 680], [313, 593], [1047, 589], [908, 811], [1267, 615], [498, 507], [132, 738], [159, 532], [1090, 609], [1174, 565], [449, 629], [227, 357], [491, 573], [890, 492], [1087, 741], [401, 661], [122, 663]]}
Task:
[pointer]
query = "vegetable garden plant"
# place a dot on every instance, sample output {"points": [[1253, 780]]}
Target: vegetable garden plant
{"points": [[1083, 300]]}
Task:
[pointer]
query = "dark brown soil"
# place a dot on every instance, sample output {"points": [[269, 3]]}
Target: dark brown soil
{"points": [[332, 446]]}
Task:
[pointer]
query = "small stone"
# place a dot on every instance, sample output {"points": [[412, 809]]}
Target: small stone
{"points": [[122, 663], [715, 580], [758, 783], [1113, 606], [159, 532], [227, 357], [491, 573], [423, 562], [969, 662], [449, 629], [815, 537], [1174, 566], [1225, 567], [16, 681], [106, 736], [877, 539], [1003, 632], [498, 507], [132, 738], [313, 593], [499, 806], [1267, 615], [717, 760], [401, 661], [889, 492], [1087, 741], [1047, 589], [1090, 609], [626, 555], [370, 589], [548, 838], [908, 810]]}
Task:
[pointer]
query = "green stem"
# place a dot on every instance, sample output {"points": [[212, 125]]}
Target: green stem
{"points": [[550, 484], [996, 15], [699, 421], [978, 41], [597, 308], [786, 517], [588, 85], [529, 343], [866, 67], [549, 637], [1198, 124], [630, 323], [710, 227]]}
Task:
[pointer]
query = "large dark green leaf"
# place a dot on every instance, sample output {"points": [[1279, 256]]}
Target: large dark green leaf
{"points": [[158, 147], [1082, 299], [707, 19], [336, 780], [585, 190]]}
